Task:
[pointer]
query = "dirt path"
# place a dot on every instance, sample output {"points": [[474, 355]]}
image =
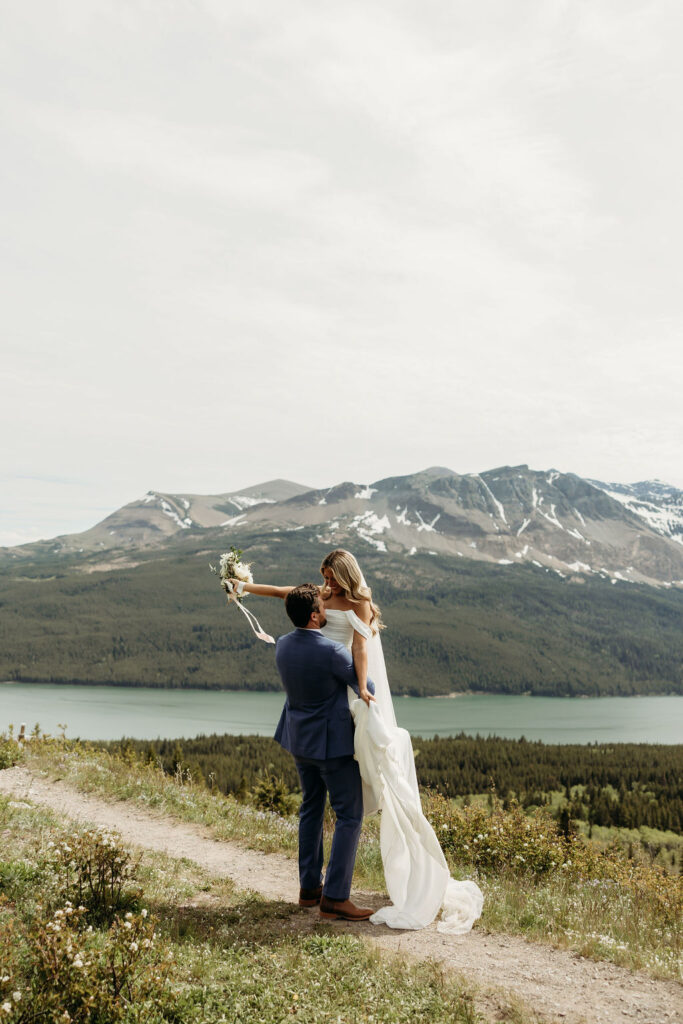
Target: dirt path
{"points": [[558, 986]]}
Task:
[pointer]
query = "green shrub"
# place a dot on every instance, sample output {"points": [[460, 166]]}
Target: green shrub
{"points": [[59, 970], [509, 841], [94, 870], [499, 839], [11, 751], [271, 793]]}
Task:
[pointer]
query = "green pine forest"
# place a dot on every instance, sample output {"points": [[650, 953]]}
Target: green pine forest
{"points": [[626, 785], [452, 624]]}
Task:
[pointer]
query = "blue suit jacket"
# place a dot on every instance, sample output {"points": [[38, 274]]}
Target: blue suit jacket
{"points": [[316, 721]]}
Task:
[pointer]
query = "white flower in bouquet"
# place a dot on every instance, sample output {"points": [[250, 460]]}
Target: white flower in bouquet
{"points": [[230, 567]]}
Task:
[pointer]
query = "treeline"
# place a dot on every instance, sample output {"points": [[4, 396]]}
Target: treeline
{"points": [[453, 624], [624, 784], [621, 784]]}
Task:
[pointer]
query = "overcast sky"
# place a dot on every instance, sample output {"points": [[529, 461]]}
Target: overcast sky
{"points": [[329, 241]]}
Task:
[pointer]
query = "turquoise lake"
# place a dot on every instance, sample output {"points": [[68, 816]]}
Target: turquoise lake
{"points": [[110, 712]]}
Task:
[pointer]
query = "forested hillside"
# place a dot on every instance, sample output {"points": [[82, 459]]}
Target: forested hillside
{"points": [[622, 784], [453, 624]]}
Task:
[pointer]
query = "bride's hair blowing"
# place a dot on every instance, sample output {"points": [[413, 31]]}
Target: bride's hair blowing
{"points": [[346, 572]]}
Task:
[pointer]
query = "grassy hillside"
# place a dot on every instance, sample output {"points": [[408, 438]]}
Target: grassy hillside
{"points": [[452, 624], [604, 903]]}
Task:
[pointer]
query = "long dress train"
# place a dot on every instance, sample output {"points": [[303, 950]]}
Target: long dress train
{"points": [[415, 870]]}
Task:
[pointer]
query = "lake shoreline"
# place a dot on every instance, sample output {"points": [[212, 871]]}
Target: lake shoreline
{"points": [[110, 712], [453, 695]]}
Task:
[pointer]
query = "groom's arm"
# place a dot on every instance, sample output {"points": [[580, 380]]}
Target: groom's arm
{"points": [[343, 669]]}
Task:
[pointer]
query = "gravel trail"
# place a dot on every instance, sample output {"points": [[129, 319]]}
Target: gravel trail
{"points": [[557, 985]]}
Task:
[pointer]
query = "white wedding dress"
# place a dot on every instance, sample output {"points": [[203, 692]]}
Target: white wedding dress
{"points": [[415, 870]]}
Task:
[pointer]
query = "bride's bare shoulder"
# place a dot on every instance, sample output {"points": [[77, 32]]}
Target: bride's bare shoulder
{"points": [[363, 611]]}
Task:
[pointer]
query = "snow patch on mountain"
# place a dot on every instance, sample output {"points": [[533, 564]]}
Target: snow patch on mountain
{"points": [[242, 501], [366, 493], [494, 499], [664, 519], [367, 525], [184, 524], [429, 527], [575, 533], [370, 522], [235, 520], [552, 518]]}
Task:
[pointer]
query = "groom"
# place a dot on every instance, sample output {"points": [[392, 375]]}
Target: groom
{"points": [[316, 726]]}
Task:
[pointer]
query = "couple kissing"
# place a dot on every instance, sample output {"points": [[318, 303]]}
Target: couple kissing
{"points": [[338, 722]]}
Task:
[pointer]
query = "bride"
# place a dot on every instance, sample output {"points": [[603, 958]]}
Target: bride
{"points": [[415, 870]]}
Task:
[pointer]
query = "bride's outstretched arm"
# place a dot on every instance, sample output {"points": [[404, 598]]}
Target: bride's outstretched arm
{"points": [[262, 589]]}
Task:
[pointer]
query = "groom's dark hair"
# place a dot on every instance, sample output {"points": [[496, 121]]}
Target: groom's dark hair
{"points": [[301, 602]]}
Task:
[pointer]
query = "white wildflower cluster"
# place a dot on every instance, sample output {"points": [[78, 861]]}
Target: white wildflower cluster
{"points": [[230, 567]]}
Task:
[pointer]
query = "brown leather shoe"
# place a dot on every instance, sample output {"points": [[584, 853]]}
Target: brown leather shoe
{"points": [[343, 910], [310, 897]]}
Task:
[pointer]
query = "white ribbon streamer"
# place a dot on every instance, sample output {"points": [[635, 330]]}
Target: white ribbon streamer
{"points": [[250, 617]]}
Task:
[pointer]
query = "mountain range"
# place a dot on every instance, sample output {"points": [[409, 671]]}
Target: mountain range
{"points": [[511, 580], [573, 526]]}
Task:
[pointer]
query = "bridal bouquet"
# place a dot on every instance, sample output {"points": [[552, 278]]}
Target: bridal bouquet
{"points": [[230, 567]]}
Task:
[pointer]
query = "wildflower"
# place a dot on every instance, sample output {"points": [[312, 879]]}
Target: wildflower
{"points": [[133, 947], [144, 913], [16, 996], [129, 916], [127, 924], [7, 1007]]}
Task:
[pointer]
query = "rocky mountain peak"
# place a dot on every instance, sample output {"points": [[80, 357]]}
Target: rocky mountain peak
{"points": [[509, 515]]}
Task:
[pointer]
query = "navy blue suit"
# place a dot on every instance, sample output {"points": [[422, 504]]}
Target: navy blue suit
{"points": [[316, 726]]}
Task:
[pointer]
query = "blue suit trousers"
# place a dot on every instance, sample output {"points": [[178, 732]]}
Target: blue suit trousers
{"points": [[340, 777]]}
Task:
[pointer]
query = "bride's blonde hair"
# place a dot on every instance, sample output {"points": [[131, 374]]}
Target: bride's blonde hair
{"points": [[346, 572]]}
